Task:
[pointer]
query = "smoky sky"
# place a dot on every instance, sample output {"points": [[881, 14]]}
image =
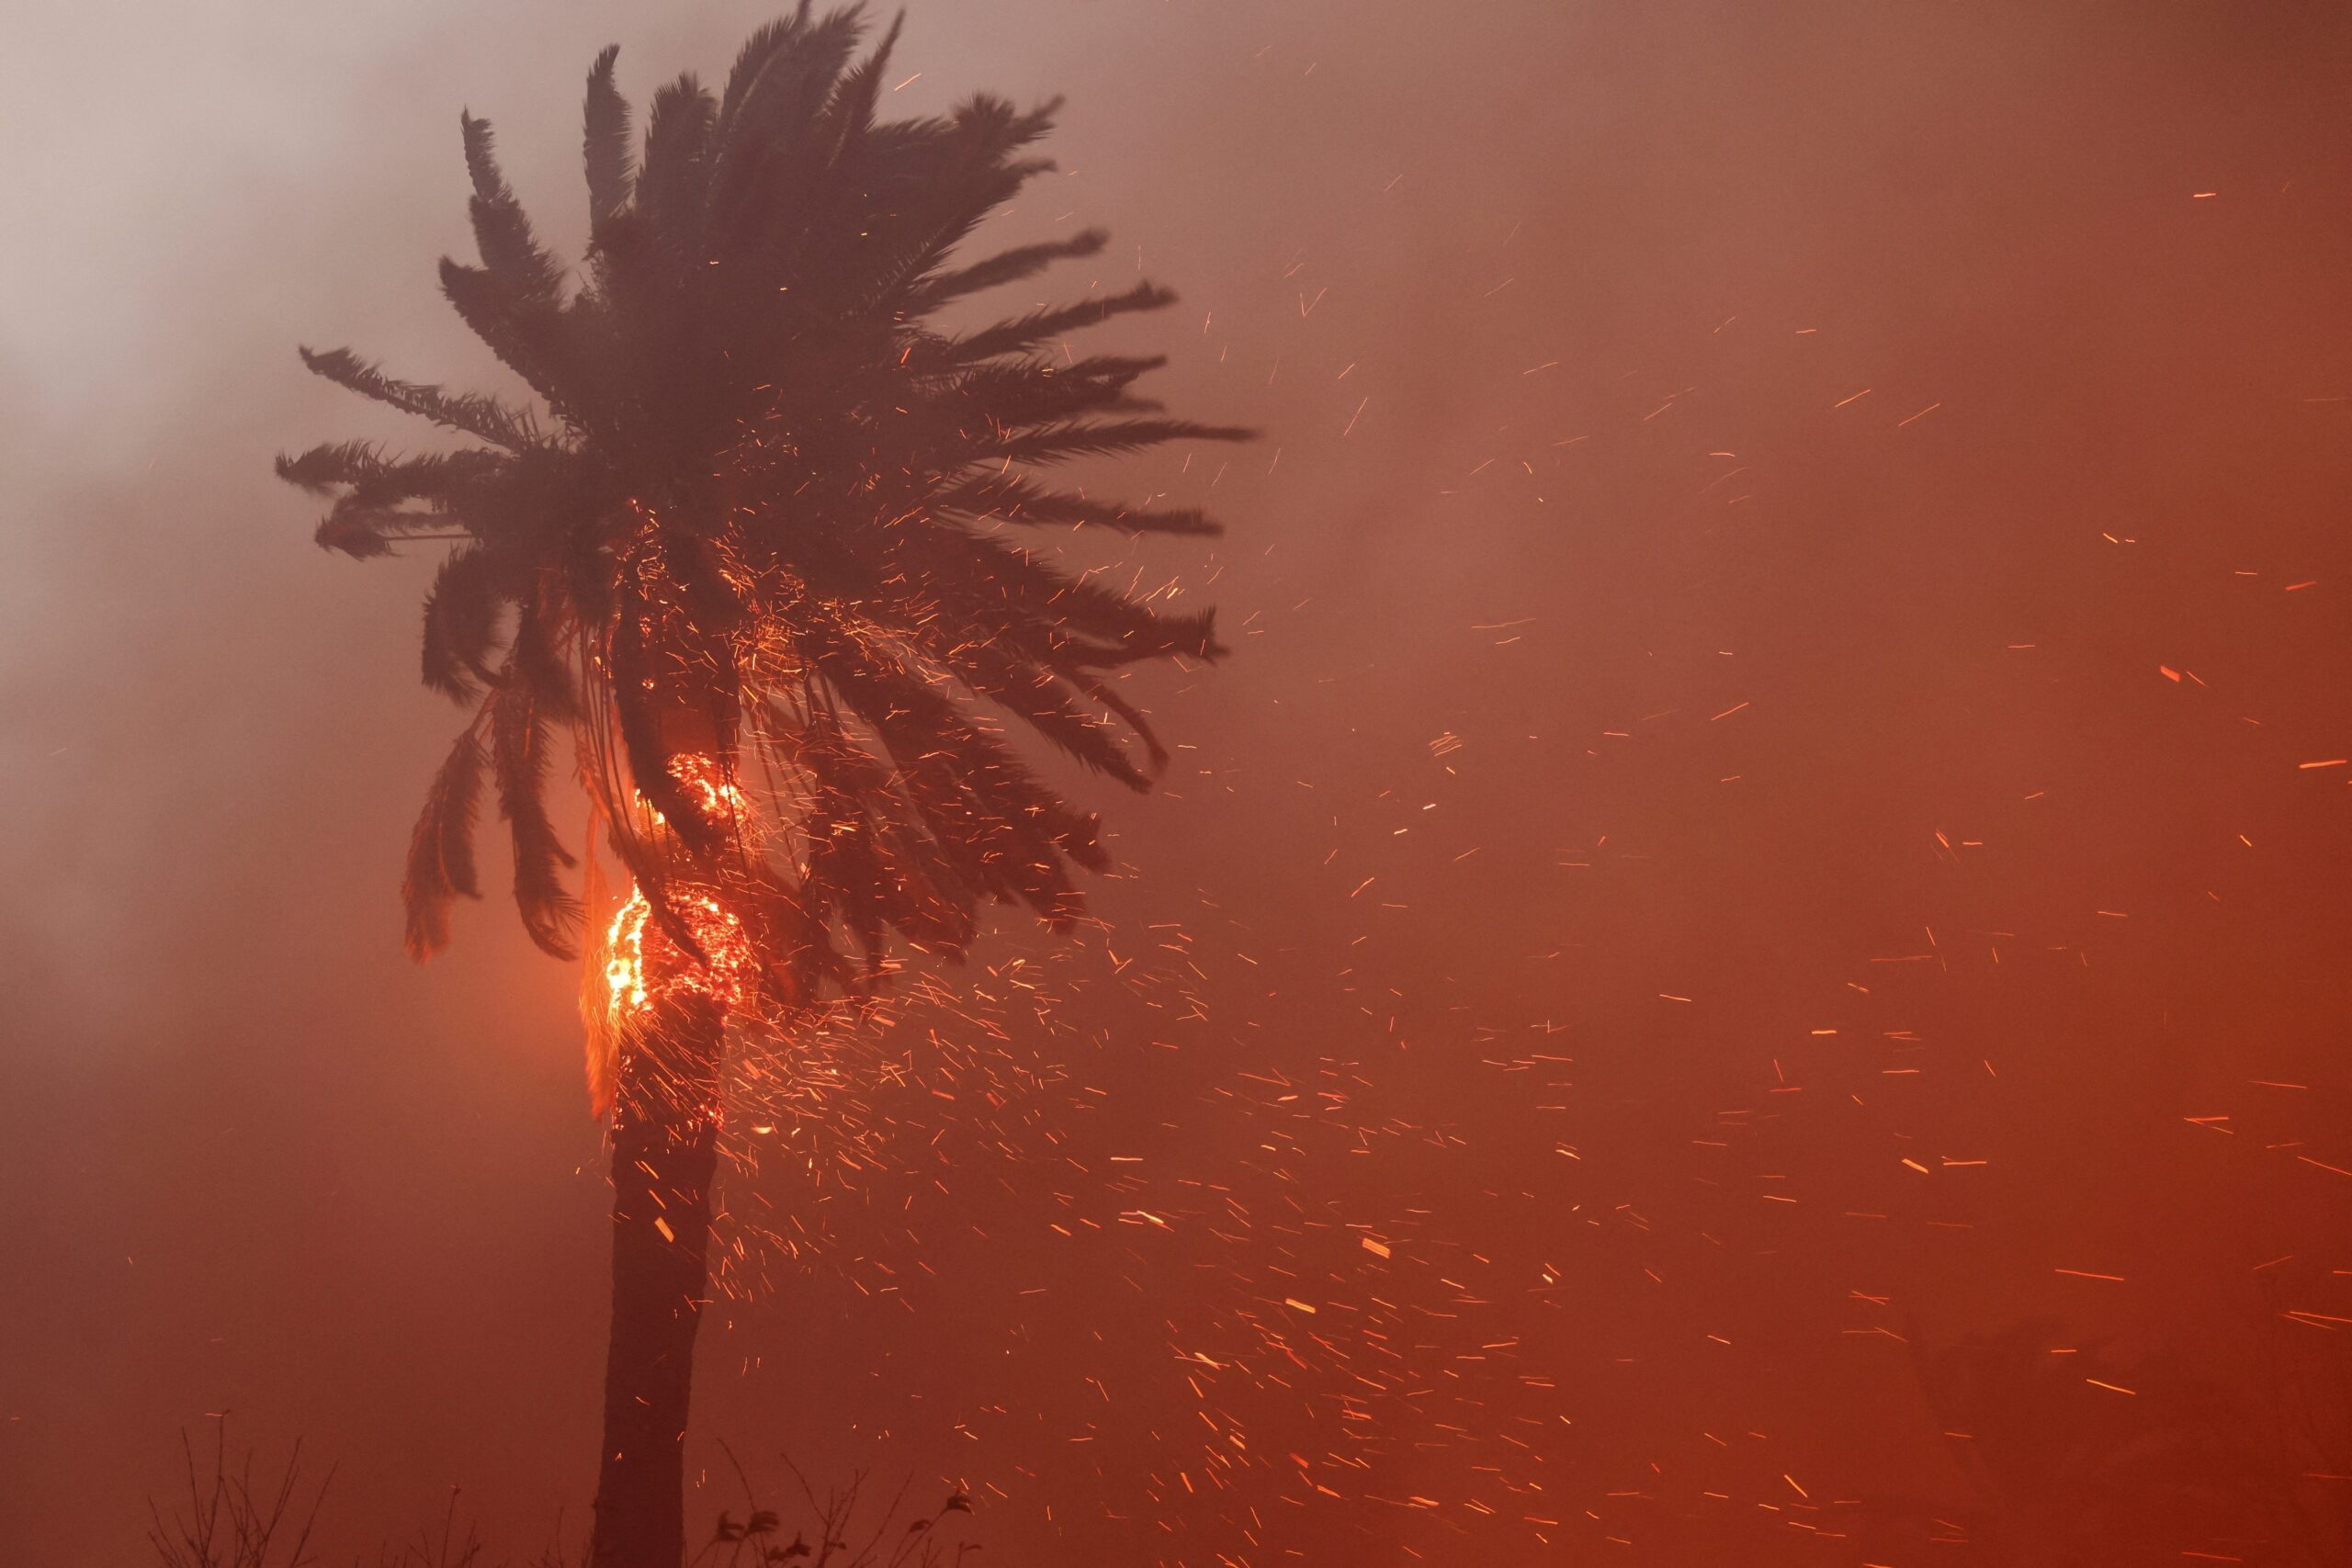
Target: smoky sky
{"points": [[1777, 802]]}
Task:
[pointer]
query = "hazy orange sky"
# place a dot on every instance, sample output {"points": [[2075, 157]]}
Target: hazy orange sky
{"points": [[1778, 803]]}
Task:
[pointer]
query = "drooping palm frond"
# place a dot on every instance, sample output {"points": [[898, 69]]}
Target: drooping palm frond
{"points": [[753, 550], [441, 851]]}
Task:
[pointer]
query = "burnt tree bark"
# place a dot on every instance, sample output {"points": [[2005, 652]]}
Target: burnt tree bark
{"points": [[665, 1163]]}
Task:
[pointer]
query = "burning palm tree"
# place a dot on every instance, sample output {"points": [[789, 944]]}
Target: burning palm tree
{"points": [[751, 544]]}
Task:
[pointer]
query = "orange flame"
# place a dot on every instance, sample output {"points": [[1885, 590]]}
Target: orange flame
{"points": [[641, 965]]}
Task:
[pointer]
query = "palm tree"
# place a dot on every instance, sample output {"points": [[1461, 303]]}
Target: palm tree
{"points": [[751, 544]]}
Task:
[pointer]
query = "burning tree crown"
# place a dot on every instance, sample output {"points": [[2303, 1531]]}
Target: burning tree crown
{"points": [[754, 546]]}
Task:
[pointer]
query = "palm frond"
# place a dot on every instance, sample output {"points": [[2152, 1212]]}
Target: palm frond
{"points": [[461, 615], [1009, 267], [523, 328], [331, 465], [768, 41], [502, 230], [476, 414], [541, 662], [605, 143], [849, 114], [441, 849], [1013, 497], [519, 751], [1023, 332], [673, 177], [1059, 443]]}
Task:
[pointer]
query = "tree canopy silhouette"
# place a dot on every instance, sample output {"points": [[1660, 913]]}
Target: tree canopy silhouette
{"points": [[753, 541], [766, 486]]}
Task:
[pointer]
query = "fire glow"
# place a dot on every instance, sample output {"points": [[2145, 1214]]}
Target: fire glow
{"points": [[643, 965]]}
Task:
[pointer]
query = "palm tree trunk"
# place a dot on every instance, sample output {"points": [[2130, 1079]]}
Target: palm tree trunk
{"points": [[665, 1161]]}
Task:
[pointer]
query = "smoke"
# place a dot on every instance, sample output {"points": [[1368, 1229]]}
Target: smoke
{"points": [[1759, 814]]}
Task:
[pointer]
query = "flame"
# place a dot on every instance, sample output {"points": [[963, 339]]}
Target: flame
{"points": [[624, 957], [641, 965], [713, 791]]}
